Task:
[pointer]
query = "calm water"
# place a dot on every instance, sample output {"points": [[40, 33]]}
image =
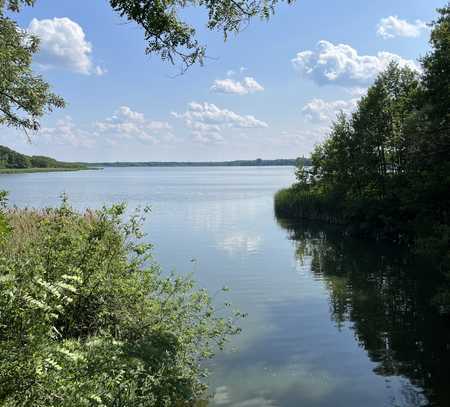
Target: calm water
{"points": [[332, 321]]}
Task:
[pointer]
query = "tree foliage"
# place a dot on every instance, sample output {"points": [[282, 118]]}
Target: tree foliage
{"points": [[24, 96], [168, 35], [87, 318], [10, 159], [385, 169]]}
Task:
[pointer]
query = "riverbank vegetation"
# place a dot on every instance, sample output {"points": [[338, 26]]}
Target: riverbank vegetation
{"points": [[87, 318], [384, 171], [11, 162]]}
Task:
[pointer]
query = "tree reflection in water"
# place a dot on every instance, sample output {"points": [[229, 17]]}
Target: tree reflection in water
{"points": [[386, 295]]}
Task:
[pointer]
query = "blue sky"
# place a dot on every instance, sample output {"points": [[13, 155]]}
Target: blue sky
{"points": [[269, 92]]}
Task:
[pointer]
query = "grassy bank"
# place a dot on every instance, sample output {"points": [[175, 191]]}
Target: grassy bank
{"points": [[296, 203], [359, 216]]}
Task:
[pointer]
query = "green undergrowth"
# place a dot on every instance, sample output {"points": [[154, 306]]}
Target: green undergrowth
{"points": [[88, 319]]}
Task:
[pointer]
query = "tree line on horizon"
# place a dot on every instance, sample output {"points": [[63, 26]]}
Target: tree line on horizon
{"points": [[233, 163], [10, 159]]}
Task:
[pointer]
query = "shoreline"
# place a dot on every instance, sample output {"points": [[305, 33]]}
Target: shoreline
{"points": [[9, 171]]}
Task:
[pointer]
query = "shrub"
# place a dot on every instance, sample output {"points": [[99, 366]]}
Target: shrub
{"points": [[87, 318]]}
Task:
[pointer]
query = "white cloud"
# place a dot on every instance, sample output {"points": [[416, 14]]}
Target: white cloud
{"points": [[209, 113], [244, 87], [125, 126], [392, 26], [131, 125], [357, 92], [319, 110], [63, 44], [99, 71], [65, 132], [303, 140], [342, 65], [207, 121]]}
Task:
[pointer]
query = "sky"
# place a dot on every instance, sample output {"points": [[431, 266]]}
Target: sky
{"points": [[271, 91]]}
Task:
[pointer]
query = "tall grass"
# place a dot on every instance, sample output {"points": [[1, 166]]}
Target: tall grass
{"points": [[297, 202]]}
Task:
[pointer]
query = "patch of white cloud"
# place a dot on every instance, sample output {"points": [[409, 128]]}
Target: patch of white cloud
{"points": [[207, 121], [357, 92], [63, 44], [209, 113], [392, 26], [65, 132], [231, 86], [342, 65], [132, 125], [319, 110], [303, 140]]}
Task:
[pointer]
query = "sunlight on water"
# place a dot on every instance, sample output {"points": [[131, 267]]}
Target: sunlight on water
{"points": [[329, 322]]}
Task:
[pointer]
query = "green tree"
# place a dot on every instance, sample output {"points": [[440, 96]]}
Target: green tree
{"points": [[24, 96], [431, 125], [384, 170]]}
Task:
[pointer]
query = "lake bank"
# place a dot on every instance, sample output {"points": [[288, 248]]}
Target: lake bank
{"points": [[32, 170]]}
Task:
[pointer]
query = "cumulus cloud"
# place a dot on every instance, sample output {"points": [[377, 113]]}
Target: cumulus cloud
{"points": [[303, 140], [124, 126], [65, 132], [244, 87], [207, 121], [63, 44], [319, 110], [342, 65], [209, 113], [392, 26], [131, 125]]}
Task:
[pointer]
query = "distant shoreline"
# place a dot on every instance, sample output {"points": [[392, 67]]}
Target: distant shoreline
{"points": [[235, 163], [30, 170]]}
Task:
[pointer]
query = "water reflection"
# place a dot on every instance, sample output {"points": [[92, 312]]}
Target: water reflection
{"points": [[332, 322], [384, 295]]}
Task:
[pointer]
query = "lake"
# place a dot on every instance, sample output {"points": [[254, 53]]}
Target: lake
{"points": [[331, 321]]}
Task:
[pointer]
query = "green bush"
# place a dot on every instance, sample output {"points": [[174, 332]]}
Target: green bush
{"points": [[87, 318]]}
